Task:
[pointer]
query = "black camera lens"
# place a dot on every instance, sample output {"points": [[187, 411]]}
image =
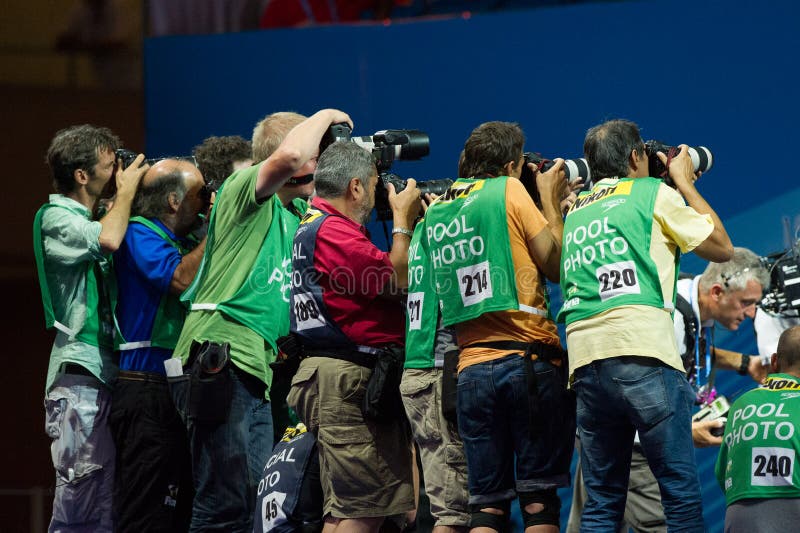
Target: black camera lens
{"points": [[702, 158]]}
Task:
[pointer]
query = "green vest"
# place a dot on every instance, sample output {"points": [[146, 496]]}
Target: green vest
{"points": [[422, 305], [269, 278], [605, 255], [760, 448], [171, 311], [466, 231], [96, 329]]}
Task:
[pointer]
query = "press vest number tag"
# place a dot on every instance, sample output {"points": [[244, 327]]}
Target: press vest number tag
{"points": [[772, 467], [272, 510], [475, 283], [617, 279], [306, 312], [415, 301]]}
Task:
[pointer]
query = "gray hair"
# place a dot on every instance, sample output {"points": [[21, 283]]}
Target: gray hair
{"points": [[734, 274], [152, 201], [340, 163]]}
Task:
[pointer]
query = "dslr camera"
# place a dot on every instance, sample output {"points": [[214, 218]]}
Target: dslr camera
{"points": [[702, 159], [386, 146], [573, 169]]}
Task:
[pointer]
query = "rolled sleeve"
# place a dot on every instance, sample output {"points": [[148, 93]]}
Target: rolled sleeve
{"points": [[686, 227]]}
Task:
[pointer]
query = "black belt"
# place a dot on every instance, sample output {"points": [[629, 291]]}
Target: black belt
{"points": [[76, 370], [543, 352], [147, 377], [358, 358]]}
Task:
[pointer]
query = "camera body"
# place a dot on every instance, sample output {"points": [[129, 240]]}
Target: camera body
{"points": [[128, 157], [784, 291], [573, 169], [386, 146], [702, 159]]}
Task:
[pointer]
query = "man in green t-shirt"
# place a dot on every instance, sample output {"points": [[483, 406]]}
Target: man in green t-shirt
{"points": [[757, 459], [239, 308]]}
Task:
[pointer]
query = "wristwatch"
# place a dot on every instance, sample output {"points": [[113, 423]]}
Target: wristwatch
{"points": [[745, 365]]}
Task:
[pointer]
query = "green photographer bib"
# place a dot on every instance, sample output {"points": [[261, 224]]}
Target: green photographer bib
{"points": [[422, 305], [605, 256], [466, 232]]}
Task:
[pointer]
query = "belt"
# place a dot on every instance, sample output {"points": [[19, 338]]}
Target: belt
{"points": [[358, 358], [76, 370], [543, 352], [149, 377]]}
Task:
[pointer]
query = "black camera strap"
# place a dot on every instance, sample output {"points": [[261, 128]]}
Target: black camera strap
{"points": [[532, 351]]}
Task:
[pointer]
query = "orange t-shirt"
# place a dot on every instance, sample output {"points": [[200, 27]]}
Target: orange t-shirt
{"points": [[525, 221]]}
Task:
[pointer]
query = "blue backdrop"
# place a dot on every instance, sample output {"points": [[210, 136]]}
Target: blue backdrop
{"points": [[717, 73]]}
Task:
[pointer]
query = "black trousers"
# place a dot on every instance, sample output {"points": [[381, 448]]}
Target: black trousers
{"points": [[153, 481]]}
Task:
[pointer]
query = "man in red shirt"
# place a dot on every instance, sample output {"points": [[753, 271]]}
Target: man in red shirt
{"points": [[347, 311]]}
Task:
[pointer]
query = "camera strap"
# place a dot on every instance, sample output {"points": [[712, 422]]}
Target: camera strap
{"points": [[670, 154]]}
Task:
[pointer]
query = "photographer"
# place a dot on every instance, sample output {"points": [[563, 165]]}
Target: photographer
{"points": [[72, 259], [155, 263], [621, 241], [346, 313], [725, 293], [489, 253], [757, 463], [239, 307]]}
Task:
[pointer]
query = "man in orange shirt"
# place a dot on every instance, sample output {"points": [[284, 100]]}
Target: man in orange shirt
{"points": [[490, 248]]}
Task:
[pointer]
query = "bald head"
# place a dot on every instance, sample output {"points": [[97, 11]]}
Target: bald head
{"points": [[168, 167], [789, 350], [171, 192]]}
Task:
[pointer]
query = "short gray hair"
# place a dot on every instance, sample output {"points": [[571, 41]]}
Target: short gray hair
{"points": [[152, 201], [340, 163], [734, 274]]}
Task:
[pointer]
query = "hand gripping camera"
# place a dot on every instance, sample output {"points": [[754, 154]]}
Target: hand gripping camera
{"points": [[702, 159], [386, 146], [573, 169]]}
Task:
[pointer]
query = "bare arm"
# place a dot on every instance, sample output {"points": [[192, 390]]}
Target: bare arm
{"points": [[546, 245], [405, 208], [728, 360], [187, 269], [300, 145], [115, 222], [717, 247]]}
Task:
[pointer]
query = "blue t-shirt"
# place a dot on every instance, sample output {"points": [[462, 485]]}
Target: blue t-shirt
{"points": [[144, 264]]}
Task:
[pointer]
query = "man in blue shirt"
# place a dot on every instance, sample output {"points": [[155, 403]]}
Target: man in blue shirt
{"points": [[156, 262]]}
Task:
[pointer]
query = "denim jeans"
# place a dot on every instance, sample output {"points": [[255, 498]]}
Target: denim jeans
{"points": [[228, 458], [76, 410], [616, 397], [494, 421]]}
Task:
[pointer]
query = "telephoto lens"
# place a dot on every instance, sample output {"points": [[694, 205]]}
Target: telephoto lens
{"points": [[702, 158], [573, 168]]}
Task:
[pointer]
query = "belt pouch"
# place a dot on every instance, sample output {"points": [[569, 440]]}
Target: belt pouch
{"points": [[382, 400], [211, 384]]}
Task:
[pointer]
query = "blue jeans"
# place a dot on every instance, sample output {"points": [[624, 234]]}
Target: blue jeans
{"points": [[228, 458], [494, 421], [617, 397]]}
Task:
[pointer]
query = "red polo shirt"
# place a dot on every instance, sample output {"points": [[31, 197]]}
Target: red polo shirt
{"points": [[353, 271]]}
